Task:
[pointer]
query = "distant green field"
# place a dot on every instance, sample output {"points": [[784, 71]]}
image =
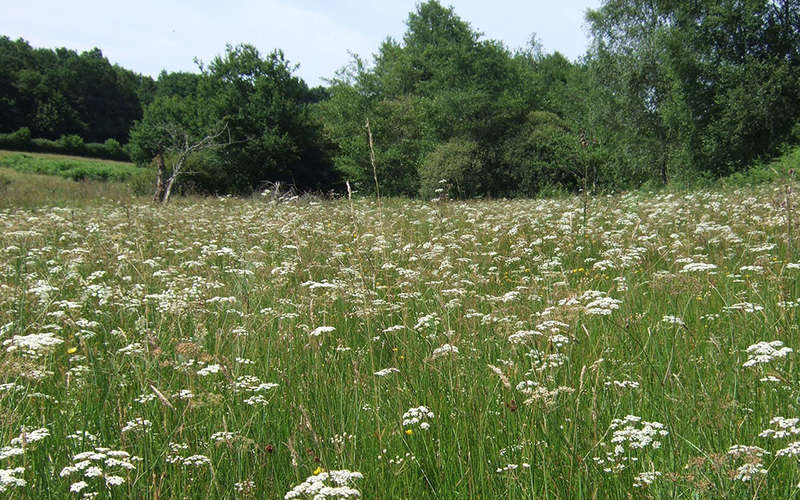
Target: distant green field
{"points": [[70, 167]]}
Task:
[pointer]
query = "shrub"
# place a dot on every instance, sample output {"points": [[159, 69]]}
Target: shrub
{"points": [[457, 162], [143, 183], [113, 148], [45, 146], [72, 143], [21, 139]]}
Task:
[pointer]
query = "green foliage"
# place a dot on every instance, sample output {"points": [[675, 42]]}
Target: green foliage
{"points": [[693, 87], [60, 92], [778, 169], [143, 182], [267, 112], [71, 168], [669, 93], [18, 140], [454, 166], [71, 143], [441, 83], [21, 140], [542, 152]]}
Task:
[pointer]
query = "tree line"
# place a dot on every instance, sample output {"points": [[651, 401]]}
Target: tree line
{"points": [[667, 91]]}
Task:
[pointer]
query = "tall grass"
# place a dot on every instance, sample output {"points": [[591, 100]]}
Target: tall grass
{"points": [[302, 333], [21, 190]]}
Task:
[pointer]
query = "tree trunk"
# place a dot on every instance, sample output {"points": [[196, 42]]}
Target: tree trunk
{"points": [[168, 190], [158, 196], [177, 167]]}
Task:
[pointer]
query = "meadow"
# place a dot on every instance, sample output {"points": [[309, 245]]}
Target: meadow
{"points": [[639, 345], [70, 167]]}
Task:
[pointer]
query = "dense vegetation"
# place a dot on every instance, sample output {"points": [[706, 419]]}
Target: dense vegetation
{"points": [[60, 92], [235, 348], [667, 92], [74, 168]]}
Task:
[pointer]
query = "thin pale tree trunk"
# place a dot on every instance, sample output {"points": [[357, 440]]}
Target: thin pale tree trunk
{"points": [[158, 196]]}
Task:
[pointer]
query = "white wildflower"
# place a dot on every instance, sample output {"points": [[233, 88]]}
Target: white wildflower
{"points": [[316, 332], [764, 352], [444, 350], [331, 484]]}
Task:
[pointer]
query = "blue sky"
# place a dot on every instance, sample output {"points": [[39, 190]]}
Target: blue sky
{"points": [[150, 35]]}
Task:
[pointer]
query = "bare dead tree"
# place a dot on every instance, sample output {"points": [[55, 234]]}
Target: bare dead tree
{"points": [[178, 149]]}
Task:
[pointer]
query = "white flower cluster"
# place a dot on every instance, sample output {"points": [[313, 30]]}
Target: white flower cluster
{"points": [[764, 352], [550, 326], [386, 371], [522, 336], [209, 370], [27, 437], [626, 431], [427, 321], [595, 302], [602, 306], [637, 434], [99, 464], [331, 484], [252, 383], [781, 428], [513, 467], [645, 479], [137, 424], [791, 450], [744, 306], [746, 471], [224, 436], [19, 445], [318, 331], [35, 344], [196, 461], [673, 320], [752, 452], [444, 350], [419, 415], [9, 479], [696, 267]]}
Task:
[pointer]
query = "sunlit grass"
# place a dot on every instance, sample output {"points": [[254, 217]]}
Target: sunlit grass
{"points": [[239, 347]]}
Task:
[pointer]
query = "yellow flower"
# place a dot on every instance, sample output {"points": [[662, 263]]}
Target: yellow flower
{"points": [[409, 432], [318, 470], [72, 350]]}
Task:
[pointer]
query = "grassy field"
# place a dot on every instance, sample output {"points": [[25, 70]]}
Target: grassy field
{"points": [[494, 349], [70, 167], [24, 190]]}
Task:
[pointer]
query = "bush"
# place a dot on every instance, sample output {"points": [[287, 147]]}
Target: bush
{"points": [[67, 144], [539, 155], [21, 139], [72, 143], [95, 150], [458, 163], [114, 148], [761, 172], [45, 146], [143, 183]]}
